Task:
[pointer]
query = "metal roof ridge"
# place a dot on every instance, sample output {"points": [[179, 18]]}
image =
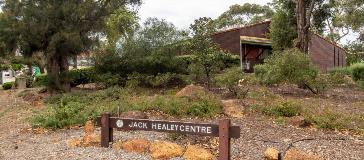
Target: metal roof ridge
{"points": [[246, 26]]}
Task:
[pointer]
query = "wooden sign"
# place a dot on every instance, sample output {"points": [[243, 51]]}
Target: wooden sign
{"points": [[224, 131]]}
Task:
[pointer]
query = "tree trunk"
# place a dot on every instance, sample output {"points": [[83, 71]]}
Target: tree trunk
{"points": [[57, 68], [74, 58], [65, 80], [303, 15]]}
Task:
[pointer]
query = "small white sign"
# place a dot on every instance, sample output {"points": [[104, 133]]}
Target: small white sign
{"points": [[120, 123]]}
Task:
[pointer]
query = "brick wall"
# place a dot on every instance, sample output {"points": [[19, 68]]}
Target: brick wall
{"points": [[325, 54]]}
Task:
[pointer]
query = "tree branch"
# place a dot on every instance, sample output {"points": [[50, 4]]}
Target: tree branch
{"points": [[309, 13]]}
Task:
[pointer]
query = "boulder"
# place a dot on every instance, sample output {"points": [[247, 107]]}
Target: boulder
{"points": [[165, 150], [295, 154], [191, 91], [134, 115], [232, 108], [271, 154], [136, 145], [194, 152]]}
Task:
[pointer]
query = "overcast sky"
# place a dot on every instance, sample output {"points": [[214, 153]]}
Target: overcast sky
{"points": [[183, 12]]}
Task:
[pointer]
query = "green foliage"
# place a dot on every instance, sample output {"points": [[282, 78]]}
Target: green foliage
{"points": [[357, 71], [82, 76], [282, 31], [8, 85], [41, 80], [208, 56], [360, 84], [230, 79], [342, 71], [355, 52], [285, 109], [77, 77], [328, 120], [290, 66], [203, 106], [76, 108], [63, 29], [16, 67], [244, 14], [152, 51]]}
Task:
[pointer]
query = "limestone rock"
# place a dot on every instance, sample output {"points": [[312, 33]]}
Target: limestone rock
{"points": [[91, 140], [271, 154], [118, 145], [165, 150], [295, 154], [136, 145], [232, 108], [89, 128], [197, 153], [192, 91], [134, 115]]}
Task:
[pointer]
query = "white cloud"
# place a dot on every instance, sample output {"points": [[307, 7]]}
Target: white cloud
{"points": [[183, 12]]}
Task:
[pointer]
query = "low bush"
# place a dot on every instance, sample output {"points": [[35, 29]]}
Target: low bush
{"points": [[77, 77], [41, 80], [341, 71], [230, 79], [290, 66], [360, 84], [8, 85], [82, 76], [327, 120], [76, 108], [285, 109], [357, 71], [161, 80], [204, 106]]}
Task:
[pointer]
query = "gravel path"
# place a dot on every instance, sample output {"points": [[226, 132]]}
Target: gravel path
{"points": [[257, 134]]}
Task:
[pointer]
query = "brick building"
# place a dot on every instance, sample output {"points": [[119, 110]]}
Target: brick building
{"points": [[253, 46]]}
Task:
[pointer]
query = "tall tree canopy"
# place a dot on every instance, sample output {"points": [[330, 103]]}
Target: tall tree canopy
{"points": [[244, 14], [63, 28]]}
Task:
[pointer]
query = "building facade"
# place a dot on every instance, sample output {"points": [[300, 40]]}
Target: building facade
{"points": [[253, 46]]}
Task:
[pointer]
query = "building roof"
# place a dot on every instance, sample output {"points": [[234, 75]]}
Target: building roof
{"points": [[241, 27], [255, 40], [269, 21]]}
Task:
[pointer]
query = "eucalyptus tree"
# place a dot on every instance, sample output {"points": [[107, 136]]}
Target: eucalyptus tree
{"points": [[244, 14]]}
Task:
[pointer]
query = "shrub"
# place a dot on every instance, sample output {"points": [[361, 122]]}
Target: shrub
{"points": [[41, 80], [360, 84], [230, 79], [327, 120], [77, 77], [285, 109], [8, 85], [161, 80], [341, 71], [82, 76], [357, 71], [16, 67], [290, 66]]}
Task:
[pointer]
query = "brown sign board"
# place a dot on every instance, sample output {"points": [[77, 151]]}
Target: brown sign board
{"points": [[223, 130], [202, 129]]}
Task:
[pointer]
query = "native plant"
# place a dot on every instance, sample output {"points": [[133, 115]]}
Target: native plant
{"points": [[290, 66]]}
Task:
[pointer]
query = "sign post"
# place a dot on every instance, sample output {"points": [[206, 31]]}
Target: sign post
{"points": [[223, 130]]}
